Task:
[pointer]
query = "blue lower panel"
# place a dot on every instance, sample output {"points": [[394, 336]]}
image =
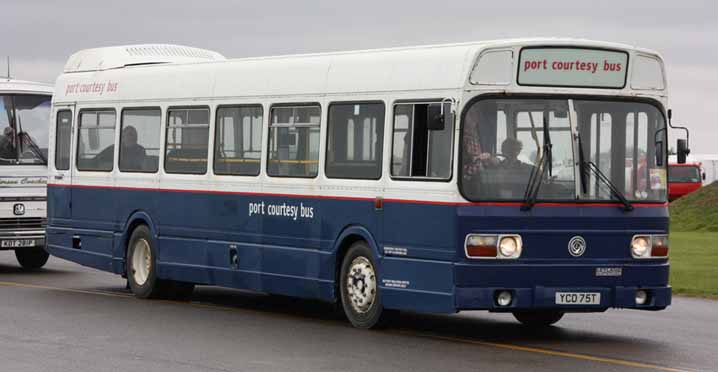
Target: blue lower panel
{"points": [[545, 298], [86, 258], [417, 285], [528, 275]]}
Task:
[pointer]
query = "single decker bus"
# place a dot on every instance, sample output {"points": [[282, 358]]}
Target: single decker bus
{"points": [[525, 176], [24, 121]]}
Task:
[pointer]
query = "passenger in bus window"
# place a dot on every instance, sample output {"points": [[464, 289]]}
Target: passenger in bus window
{"points": [[132, 154], [478, 159]]}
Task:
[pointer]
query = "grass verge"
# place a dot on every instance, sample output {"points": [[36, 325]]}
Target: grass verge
{"points": [[694, 263]]}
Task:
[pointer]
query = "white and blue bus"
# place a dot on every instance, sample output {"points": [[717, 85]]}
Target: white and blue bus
{"points": [[24, 117], [522, 176]]}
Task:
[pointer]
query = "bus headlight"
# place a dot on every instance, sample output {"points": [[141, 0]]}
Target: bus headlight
{"points": [[493, 246], [510, 246], [641, 246], [649, 246]]}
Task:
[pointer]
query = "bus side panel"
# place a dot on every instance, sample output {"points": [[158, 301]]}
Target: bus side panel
{"points": [[417, 271], [417, 285], [421, 230]]}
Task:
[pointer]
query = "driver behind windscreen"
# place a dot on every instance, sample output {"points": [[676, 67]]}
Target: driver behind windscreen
{"points": [[513, 173], [7, 145]]}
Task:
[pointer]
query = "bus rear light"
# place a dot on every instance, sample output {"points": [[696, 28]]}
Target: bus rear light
{"points": [[649, 246], [493, 246]]}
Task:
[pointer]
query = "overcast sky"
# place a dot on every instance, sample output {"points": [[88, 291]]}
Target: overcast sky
{"points": [[40, 35]]}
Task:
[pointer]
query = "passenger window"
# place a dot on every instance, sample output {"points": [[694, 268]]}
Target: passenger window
{"points": [[238, 140], [418, 149], [355, 137], [187, 138], [294, 141], [63, 130], [140, 140], [96, 140]]}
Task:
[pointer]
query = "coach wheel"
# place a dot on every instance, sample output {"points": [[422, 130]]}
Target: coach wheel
{"points": [[32, 258], [360, 295], [538, 318]]}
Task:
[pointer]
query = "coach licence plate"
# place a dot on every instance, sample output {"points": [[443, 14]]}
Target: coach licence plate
{"points": [[578, 298], [17, 243]]}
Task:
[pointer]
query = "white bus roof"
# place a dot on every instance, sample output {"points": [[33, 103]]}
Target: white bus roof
{"points": [[208, 74], [8, 86]]}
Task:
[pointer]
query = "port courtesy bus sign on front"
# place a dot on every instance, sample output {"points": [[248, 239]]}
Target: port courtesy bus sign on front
{"points": [[572, 67]]}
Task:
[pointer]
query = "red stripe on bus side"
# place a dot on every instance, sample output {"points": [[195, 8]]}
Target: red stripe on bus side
{"points": [[408, 201]]}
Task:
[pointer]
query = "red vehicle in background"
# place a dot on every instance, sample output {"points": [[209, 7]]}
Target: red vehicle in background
{"points": [[684, 179]]}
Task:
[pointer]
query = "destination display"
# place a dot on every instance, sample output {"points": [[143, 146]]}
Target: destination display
{"points": [[572, 67]]}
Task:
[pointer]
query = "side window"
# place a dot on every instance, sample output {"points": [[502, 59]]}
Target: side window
{"points": [[294, 141], [238, 140], [355, 138], [187, 138], [418, 149], [96, 140], [140, 140], [63, 136]]}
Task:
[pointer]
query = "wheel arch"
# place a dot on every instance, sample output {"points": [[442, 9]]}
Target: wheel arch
{"points": [[135, 219]]}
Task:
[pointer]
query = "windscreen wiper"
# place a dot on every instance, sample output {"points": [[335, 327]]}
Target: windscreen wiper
{"points": [[590, 166], [538, 173], [26, 139], [587, 167]]}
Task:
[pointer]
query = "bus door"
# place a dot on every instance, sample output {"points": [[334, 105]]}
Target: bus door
{"points": [[59, 194]]}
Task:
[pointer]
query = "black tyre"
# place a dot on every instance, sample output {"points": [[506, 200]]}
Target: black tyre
{"points": [[359, 288], [32, 258], [142, 266], [538, 319]]}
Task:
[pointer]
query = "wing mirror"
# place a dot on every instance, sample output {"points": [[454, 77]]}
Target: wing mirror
{"points": [[682, 149]]}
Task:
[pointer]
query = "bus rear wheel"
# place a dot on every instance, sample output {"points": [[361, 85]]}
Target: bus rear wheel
{"points": [[32, 258], [359, 288], [142, 270], [539, 318]]}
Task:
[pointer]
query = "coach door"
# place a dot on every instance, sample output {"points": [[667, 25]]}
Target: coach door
{"points": [[59, 195]]}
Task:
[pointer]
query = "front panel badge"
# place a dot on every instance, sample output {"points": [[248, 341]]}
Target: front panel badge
{"points": [[18, 209], [577, 246]]}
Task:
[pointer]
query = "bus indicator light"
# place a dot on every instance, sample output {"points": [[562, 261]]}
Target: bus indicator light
{"points": [[659, 246]]}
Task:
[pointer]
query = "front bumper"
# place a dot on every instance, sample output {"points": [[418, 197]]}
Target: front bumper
{"points": [[534, 285], [544, 298]]}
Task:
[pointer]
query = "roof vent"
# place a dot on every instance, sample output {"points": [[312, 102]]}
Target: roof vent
{"points": [[129, 55]]}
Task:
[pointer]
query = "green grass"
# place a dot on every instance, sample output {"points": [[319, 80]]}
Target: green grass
{"points": [[694, 263], [697, 211], [694, 243]]}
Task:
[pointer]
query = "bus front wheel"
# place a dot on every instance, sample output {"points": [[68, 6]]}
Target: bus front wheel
{"points": [[32, 258], [359, 288], [542, 318]]}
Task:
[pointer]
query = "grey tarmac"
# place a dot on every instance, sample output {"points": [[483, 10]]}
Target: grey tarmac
{"points": [[70, 318]]}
